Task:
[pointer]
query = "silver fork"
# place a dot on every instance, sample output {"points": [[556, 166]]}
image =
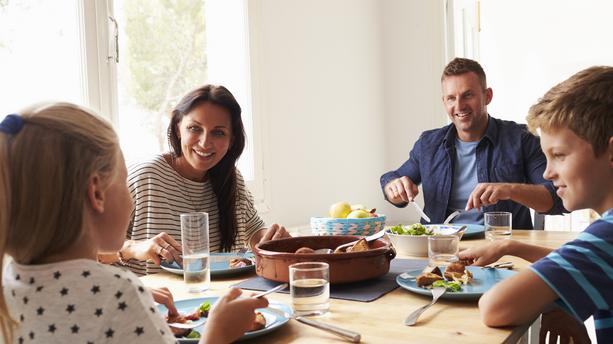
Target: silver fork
{"points": [[436, 294]]}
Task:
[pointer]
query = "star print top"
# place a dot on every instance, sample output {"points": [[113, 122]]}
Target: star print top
{"points": [[81, 301]]}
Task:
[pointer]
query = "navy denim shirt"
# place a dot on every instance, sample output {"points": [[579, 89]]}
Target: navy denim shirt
{"points": [[507, 153]]}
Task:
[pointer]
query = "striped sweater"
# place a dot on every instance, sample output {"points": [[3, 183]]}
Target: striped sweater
{"points": [[581, 273], [161, 194]]}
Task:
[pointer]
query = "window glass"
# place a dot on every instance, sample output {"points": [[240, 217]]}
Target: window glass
{"points": [[40, 53]]}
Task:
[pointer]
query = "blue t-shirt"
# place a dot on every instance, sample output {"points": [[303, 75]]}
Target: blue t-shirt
{"points": [[581, 273], [507, 153], [464, 182]]}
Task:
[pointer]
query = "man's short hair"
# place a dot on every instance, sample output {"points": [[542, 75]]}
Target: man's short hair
{"points": [[583, 103], [461, 65]]}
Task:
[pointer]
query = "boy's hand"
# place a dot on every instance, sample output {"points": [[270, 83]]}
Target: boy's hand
{"points": [[559, 323], [485, 254]]}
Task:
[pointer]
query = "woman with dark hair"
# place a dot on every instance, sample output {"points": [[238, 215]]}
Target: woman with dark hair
{"points": [[206, 136]]}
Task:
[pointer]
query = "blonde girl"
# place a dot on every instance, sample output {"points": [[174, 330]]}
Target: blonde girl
{"points": [[64, 199]]}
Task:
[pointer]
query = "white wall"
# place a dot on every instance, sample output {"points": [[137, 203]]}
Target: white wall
{"points": [[342, 89], [413, 60]]}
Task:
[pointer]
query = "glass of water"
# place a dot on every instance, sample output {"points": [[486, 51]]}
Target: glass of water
{"points": [[498, 225], [442, 249], [195, 244], [310, 288]]}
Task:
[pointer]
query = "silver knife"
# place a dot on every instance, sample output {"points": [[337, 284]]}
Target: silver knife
{"points": [[420, 211]]}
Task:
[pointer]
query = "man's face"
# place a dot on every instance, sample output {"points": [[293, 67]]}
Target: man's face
{"points": [[466, 104], [582, 179]]}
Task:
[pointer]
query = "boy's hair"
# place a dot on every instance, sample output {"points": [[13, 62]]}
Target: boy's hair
{"points": [[583, 103], [461, 65], [45, 168]]}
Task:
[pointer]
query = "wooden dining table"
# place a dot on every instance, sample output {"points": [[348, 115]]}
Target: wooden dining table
{"points": [[381, 321]]}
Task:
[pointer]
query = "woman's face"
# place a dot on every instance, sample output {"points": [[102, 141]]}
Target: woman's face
{"points": [[206, 135]]}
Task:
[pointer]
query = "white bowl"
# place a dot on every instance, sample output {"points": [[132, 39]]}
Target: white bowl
{"points": [[417, 245]]}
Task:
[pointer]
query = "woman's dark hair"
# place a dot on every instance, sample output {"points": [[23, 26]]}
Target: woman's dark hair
{"points": [[222, 175]]}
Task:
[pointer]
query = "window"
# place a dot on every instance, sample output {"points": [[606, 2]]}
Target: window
{"points": [[131, 60], [39, 61]]}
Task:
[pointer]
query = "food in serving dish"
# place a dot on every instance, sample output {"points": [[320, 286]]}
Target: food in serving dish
{"points": [[415, 229], [305, 250], [360, 246], [274, 257], [239, 263], [344, 210], [453, 278], [413, 240]]}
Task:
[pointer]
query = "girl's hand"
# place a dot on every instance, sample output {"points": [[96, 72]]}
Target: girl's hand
{"points": [[231, 317], [164, 297], [161, 246]]}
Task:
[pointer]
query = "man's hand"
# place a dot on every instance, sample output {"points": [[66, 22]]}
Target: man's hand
{"points": [[559, 323], [401, 190], [488, 194]]}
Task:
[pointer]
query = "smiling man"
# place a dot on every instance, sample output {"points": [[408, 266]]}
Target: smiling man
{"points": [[475, 164]]}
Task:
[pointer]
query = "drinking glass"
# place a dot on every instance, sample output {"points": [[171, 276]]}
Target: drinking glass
{"points": [[498, 225], [195, 244], [442, 249], [310, 288]]}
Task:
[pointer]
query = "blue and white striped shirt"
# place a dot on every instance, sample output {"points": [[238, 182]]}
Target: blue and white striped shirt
{"points": [[581, 273]]}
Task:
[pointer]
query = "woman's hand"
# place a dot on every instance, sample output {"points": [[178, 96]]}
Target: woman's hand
{"points": [[484, 254], [164, 297], [161, 246], [231, 317], [275, 232]]}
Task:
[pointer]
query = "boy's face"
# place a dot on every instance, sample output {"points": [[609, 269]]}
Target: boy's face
{"points": [[583, 181]]}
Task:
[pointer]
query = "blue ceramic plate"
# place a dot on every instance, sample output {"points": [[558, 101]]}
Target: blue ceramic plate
{"points": [[273, 319], [220, 264], [483, 280]]}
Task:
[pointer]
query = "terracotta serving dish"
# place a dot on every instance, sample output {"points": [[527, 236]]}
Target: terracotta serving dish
{"points": [[273, 258]]}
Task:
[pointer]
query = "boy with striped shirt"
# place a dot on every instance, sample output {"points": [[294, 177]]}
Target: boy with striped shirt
{"points": [[575, 123]]}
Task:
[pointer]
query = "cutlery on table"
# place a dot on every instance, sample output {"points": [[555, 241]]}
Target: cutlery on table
{"points": [[352, 336], [188, 325], [271, 290], [436, 294], [451, 217], [500, 265], [369, 238], [420, 211]]}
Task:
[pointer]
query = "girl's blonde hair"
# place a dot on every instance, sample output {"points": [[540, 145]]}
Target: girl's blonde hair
{"points": [[44, 172]]}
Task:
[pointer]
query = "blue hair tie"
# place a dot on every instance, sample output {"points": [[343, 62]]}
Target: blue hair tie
{"points": [[11, 124]]}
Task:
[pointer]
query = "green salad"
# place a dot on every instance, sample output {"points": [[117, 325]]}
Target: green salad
{"points": [[452, 286], [414, 229]]}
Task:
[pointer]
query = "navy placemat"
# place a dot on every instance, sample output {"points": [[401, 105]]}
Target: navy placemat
{"points": [[364, 291]]}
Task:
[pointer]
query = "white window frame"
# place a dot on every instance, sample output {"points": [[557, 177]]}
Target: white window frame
{"points": [[100, 75]]}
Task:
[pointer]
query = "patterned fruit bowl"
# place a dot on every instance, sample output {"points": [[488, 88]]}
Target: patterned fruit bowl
{"points": [[334, 226]]}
